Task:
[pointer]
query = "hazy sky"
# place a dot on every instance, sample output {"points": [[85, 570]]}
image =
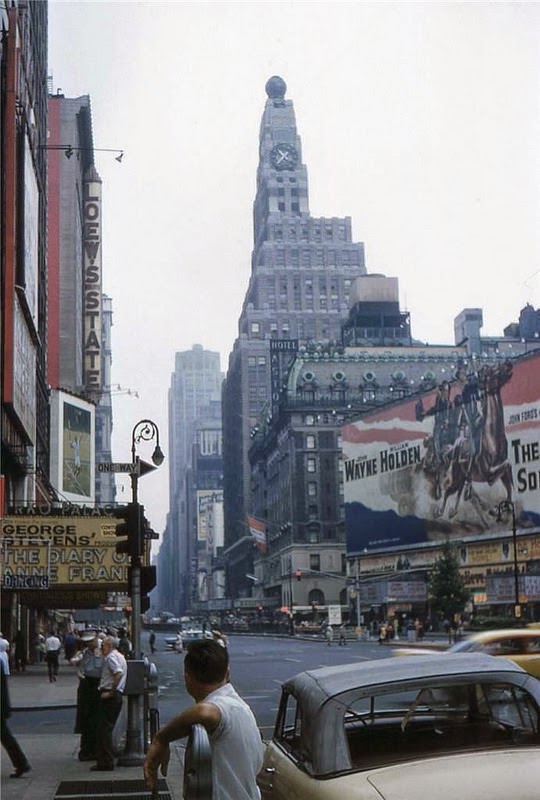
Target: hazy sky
{"points": [[420, 121]]}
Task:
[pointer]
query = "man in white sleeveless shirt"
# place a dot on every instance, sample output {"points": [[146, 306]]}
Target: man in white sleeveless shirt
{"points": [[237, 748]]}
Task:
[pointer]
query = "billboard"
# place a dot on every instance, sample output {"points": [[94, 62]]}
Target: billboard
{"points": [[61, 553], [72, 447], [438, 465]]}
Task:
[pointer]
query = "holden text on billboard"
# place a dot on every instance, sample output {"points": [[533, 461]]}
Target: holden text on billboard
{"points": [[438, 465]]}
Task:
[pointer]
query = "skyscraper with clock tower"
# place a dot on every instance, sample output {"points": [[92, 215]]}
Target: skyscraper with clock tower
{"points": [[302, 269]]}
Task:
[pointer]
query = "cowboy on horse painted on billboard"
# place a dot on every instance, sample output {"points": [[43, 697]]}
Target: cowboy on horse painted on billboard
{"points": [[468, 444]]}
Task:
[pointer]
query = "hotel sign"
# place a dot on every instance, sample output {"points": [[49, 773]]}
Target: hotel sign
{"points": [[278, 349]]}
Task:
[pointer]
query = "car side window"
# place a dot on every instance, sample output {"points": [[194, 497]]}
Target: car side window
{"points": [[493, 648], [512, 708], [289, 730]]}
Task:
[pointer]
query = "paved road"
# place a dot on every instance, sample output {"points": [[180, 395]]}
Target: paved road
{"points": [[259, 664]]}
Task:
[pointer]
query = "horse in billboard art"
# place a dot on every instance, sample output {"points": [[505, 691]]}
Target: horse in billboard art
{"points": [[469, 442]]}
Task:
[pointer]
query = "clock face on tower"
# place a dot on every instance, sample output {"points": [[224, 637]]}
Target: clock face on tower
{"points": [[284, 156]]}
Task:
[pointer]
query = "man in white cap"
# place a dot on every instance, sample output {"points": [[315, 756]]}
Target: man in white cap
{"points": [[89, 663], [111, 693]]}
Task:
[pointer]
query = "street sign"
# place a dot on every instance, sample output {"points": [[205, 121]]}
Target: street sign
{"points": [[117, 466], [143, 467], [139, 468]]}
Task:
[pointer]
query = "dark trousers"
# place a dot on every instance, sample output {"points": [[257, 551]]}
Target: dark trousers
{"points": [[13, 749], [108, 712], [52, 663], [87, 716]]}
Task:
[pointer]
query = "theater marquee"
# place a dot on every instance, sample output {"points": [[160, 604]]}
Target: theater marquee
{"points": [[61, 553]]}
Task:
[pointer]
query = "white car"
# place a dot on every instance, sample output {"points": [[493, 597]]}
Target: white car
{"points": [[446, 727]]}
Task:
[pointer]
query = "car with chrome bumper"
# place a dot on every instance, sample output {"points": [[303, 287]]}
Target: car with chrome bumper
{"points": [[449, 726]]}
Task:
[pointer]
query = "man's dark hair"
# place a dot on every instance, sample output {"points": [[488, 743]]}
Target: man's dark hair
{"points": [[207, 661]]}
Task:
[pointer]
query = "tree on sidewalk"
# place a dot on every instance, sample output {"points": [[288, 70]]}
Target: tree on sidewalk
{"points": [[447, 590]]}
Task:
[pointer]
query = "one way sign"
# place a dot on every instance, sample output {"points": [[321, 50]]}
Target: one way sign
{"points": [[139, 468], [117, 466]]}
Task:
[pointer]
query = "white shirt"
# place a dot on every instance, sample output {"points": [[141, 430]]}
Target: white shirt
{"points": [[4, 646], [52, 643], [237, 748], [113, 663]]}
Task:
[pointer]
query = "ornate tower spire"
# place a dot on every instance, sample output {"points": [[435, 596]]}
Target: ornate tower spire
{"points": [[282, 185]]}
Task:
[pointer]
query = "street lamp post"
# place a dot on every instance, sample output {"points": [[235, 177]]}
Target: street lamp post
{"points": [[291, 611], [357, 588], [133, 756], [504, 507]]}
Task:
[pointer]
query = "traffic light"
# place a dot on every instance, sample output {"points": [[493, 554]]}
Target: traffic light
{"points": [[298, 574], [132, 528], [122, 529], [148, 577]]}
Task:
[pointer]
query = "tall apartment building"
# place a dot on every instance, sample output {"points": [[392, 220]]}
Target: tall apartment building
{"points": [[195, 386], [24, 473], [301, 274], [24, 425]]}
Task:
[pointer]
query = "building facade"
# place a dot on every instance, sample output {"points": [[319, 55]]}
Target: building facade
{"points": [[296, 456], [194, 391], [302, 269], [80, 315], [23, 242], [312, 558], [24, 425]]}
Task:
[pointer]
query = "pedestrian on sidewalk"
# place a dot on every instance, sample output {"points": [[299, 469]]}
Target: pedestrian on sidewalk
{"points": [[342, 636], [52, 654], [4, 648], [89, 663], [20, 651], [70, 645], [111, 692], [13, 748], [124, 643], [235, 740], [152, 642], [329, 635]]}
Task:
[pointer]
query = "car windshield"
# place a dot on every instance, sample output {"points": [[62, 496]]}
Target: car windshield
{"points": [[499, 646]]}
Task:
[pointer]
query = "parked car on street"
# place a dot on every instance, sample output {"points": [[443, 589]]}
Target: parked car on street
{"points": [[187, 635], [174, 642], [521, 645], [449, 726]]}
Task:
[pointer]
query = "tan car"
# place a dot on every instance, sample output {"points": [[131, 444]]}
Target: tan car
{"points": [[449, 726], [521, 645]]}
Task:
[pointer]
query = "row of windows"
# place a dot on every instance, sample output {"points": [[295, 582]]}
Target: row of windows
{"points": [[295, 207], [302, 232], [305, 329], [308, 304], [362, 393], [282, 285], [328, 258], [254, 361]]}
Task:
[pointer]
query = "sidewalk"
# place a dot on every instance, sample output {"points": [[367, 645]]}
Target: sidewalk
{"points": [[53, 758]]}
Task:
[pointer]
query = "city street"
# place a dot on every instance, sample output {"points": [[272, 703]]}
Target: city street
{"points": [[259, 665]]}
